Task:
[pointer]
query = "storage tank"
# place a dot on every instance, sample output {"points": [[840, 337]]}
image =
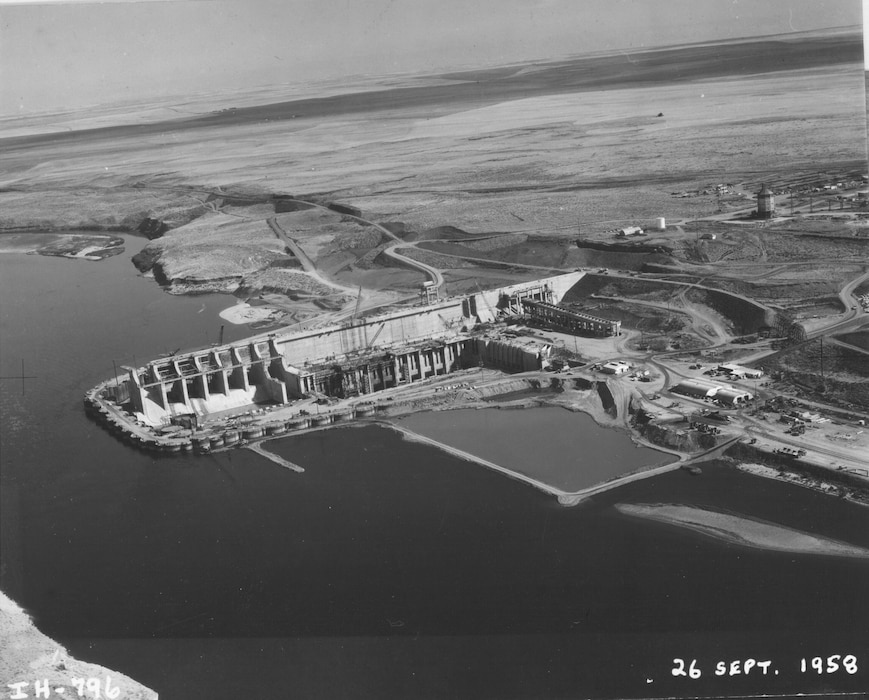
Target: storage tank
{"points": [[660, 224], [765, 203]]}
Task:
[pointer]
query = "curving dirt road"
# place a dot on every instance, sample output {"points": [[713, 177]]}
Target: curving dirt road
{"points": [[433, 273], [307, 264]]}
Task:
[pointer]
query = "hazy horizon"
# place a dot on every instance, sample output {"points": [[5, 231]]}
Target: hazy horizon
{"points": [[68, 56]]}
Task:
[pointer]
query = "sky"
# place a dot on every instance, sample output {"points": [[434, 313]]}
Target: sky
{"points": [[66, 55]]}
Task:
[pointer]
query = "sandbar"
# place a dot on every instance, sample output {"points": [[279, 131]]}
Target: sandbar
{"points": [[742, 530], [245, 313]]}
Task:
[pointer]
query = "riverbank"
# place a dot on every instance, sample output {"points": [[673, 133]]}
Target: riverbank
{"points": [[27, 656], [742, 530], [853, 495]]}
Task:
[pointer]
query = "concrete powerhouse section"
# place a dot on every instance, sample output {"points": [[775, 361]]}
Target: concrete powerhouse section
{"points": [[376, 353]]}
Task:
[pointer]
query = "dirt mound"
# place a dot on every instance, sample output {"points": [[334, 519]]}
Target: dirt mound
{"points": [[359, 241], [511, 249], [632, 248], [401, 230], [444, 232], [292, 284], [345, 209], [375, 258], [490, 243], [676, 438], [781, 290], [845, 378], [152, 228], [435, 260], [637, 288], [285, 206], [144, 260], [746, 316], [617, 260]]}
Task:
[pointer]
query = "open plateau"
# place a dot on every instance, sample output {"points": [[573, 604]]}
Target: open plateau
{"points": [[674, 243]]}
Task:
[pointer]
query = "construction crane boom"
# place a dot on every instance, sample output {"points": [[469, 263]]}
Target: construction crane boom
{"points": [[371, 342], [358, 304], [485, 301]]}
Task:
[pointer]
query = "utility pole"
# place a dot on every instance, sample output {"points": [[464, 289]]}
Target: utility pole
{"points": [[823, 383]]}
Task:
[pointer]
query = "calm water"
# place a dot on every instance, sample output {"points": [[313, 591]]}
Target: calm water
{"points": [[387, 569], [561, 448]]}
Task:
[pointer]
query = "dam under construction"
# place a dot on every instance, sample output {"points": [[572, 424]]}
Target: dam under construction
{"points": [[231, 394]]}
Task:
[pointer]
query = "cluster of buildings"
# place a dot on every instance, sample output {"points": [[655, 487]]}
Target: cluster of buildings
{"points": [[734, 371], [706, 389]]}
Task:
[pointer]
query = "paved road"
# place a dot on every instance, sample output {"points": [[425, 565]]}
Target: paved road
{"points": [[433, 273]]}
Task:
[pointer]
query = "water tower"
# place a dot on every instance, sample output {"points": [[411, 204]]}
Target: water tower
{"points": [[765, 203]]}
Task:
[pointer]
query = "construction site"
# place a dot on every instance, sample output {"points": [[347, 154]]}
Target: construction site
{"points": [[333, 353], [331, 363]]}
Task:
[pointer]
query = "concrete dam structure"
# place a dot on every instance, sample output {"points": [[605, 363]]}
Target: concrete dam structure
{"points": [[342, 361]]}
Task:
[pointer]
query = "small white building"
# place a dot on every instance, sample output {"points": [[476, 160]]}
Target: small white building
{"points": [[630, 231], [617, 367]]}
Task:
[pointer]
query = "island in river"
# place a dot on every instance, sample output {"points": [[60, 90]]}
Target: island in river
{"points": [[742, 530]]}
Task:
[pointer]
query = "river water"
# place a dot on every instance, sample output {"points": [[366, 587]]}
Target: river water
{"points": [[558, 447], [386, 569]]}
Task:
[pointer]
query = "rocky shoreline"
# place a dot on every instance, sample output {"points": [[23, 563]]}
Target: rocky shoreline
{"points": [[860, 498], [28, 657]]}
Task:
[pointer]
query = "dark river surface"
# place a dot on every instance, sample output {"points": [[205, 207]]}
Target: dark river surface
{"points": [[386, 569]]}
